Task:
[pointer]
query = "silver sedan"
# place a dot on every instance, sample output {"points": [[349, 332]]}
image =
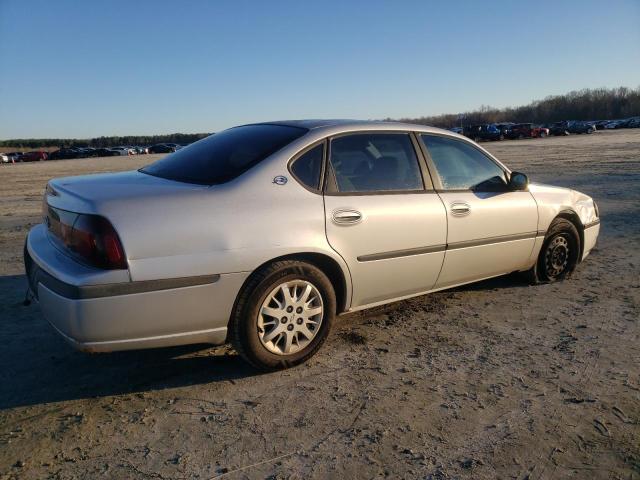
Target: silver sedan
{"points": [[261, 234]]}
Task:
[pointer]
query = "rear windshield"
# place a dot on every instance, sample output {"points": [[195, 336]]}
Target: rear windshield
{"points": [[225, 155]]}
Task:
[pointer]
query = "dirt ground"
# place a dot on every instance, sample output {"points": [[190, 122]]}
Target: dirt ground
{"points": [[493, 380]]}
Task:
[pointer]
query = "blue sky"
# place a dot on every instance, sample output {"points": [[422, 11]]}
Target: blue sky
{"points": [[90, 68]]}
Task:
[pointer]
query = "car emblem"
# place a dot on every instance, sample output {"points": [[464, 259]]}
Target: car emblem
{"points": [[280, 180]]}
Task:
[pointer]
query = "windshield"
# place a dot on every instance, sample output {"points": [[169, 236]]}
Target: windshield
{"points": [[225, 155]]}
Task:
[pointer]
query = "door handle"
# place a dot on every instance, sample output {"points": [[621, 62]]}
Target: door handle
{"points": [[460, 209], [346, 216]]}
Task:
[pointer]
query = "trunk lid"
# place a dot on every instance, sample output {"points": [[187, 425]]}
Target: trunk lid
{"points": [[92, 193]]}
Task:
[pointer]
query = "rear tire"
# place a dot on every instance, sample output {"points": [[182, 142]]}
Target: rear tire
{"points": [[559, 253], [280, 339]]}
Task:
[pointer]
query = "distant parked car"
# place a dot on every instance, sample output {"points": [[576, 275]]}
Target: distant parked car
{"points": [[81, 152], [86, 151], [581, 127], [104, 152], [526, 130], [568, 127], [162, 148], [613, 124], [633, 123], [13, 157], [4, 158], [504, 127], [121, 150], [624, 123], [540, 131], [559, 129], [483, 132], [64, 153], [34, 156], [456, 130]]}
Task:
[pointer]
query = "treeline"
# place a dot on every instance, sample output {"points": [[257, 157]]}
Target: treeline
{"points": [[180, 138], [587, 104]]}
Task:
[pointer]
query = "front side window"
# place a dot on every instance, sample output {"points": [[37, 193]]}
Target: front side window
{"points": [[308, 166], [225, 155], [375, 162], [461, 166]]}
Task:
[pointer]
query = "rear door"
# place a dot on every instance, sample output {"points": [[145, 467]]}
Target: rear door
{"points": [[491, 229], [382, 216]]}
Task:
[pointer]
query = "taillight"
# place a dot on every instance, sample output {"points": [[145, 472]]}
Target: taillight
{"points": [[95, 240], [90, 237]]}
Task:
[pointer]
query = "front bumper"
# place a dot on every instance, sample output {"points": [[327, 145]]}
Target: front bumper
{"points": [[591, 232], [99, 315]]}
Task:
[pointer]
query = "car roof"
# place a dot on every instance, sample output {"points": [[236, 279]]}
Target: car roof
{"points": [[348, 125]]}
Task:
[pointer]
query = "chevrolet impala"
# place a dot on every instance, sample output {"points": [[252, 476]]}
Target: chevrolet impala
{"points": [[262, 234]]}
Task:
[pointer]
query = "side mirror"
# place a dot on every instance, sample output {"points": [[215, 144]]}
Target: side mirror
{"points": [[518, 181]]}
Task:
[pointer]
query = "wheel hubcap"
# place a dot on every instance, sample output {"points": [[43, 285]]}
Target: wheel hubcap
{"points": [[557, 256], [290, 317]]}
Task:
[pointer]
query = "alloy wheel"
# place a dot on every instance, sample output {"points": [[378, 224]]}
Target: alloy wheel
{"points": [[290, 317]]}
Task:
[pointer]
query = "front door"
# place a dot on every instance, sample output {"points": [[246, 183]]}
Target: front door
{"points": [[381, 216], [491, 229]]}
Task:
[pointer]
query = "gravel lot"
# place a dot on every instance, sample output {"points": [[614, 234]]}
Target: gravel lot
{"points": [[493, 380]]}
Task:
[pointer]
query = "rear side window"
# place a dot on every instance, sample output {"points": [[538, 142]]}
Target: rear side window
{"points": [[461, 166], [308, 166], [225, 155], [375, 162]]}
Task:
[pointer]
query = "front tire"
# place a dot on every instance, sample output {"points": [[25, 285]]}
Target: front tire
{"points": [[559, 253], [283, 315]]}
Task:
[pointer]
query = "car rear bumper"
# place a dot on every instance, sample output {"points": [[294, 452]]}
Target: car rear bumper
{"points": [[591, 232], [101, 317]]}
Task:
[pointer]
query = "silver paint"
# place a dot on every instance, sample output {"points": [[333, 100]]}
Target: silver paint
{"points": [[172, 230]]}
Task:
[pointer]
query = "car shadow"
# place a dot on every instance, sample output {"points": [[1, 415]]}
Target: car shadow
{"points": [[37, 366], [512, 280]]}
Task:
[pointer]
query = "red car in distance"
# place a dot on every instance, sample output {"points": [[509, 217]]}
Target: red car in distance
{"points": [[526, 130], [34, 156]]}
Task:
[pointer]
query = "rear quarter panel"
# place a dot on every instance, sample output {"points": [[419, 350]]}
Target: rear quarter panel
{"points": [[231, 228]]}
